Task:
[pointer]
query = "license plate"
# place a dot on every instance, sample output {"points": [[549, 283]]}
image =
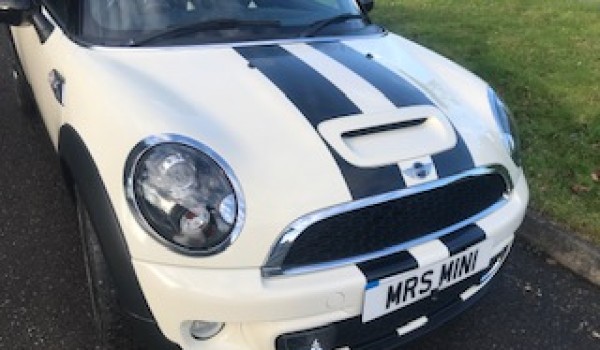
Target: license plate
{"points": [[392, 293]]}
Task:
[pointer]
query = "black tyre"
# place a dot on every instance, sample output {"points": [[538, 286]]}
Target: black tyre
{"points": [[113, 331]]}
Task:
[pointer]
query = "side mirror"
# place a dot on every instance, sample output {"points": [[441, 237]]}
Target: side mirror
{"points": [[13, 12], [366, 5]]}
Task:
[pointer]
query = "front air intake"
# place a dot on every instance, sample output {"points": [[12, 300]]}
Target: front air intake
{"points": [[359, 233]]}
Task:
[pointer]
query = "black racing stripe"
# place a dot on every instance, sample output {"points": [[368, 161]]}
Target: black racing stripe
{"points": [[315, 96], [455, 160], [463, 239], [319, 100], [386, 266], [366, 182], [399, 91]]}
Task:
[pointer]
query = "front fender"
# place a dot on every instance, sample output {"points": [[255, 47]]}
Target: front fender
{"points": [[84, 174]]}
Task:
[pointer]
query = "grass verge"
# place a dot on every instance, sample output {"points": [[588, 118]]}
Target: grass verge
{"points": [[544, 59]]}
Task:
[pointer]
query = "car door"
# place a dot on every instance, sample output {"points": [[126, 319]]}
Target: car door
{"points": [[41, 48]]}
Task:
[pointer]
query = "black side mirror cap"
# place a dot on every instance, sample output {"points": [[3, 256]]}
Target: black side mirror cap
{"points": [[366, 5], [13, 12]]}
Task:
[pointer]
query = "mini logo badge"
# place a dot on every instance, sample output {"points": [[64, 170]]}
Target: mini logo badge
{"points": [[419, 170]]}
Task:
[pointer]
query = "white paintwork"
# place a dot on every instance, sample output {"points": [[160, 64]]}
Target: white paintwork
{"points": [[115, 97], [412, 325], [368, 99], [430, 252], [470, 292], [308, 310]]}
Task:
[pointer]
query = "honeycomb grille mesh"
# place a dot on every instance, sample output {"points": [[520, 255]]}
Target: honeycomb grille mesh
{"points": [[382, 225]]}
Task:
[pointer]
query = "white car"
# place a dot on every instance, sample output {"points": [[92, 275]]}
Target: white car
{"points": [[269, 174]]}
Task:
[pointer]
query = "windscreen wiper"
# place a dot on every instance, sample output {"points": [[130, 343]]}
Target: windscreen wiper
{"points": [[190, 28], [317, 26]]}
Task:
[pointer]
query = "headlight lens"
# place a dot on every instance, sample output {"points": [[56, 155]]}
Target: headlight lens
{"points": [[184, 194], [507, 126]]}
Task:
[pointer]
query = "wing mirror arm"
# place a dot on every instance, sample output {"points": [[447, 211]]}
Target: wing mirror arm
{"points": [[15, 12], [366, 5], [21, 12]]}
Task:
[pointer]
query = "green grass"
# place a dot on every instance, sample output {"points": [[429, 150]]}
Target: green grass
{"points": [[544, 59]]}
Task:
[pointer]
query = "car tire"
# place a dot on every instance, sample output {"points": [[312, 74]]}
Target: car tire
{"points": [[109, 321]]}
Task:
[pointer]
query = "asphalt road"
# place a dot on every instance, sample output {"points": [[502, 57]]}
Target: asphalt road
{"points": [[536, 304]]}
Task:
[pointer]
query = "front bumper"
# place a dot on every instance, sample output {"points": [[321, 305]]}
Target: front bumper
{"points": [[400, 327], [261, 312]]}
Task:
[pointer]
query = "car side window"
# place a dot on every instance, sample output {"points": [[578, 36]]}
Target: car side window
{"points": [[58, 8], [65, 13]]}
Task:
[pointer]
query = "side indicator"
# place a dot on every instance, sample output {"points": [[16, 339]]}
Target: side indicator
{"points": [[57, 84]]}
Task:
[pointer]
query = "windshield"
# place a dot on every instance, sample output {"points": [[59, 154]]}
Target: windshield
{"points": [[172, 22]]}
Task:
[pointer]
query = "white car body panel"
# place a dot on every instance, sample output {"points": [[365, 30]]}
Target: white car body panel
{"points": [[263, 307], [116, 97], [126, 78]]}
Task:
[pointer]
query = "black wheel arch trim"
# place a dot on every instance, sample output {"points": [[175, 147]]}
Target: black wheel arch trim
{"points": [[84, 173]]}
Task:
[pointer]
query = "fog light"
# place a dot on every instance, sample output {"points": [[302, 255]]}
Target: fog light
{"points": [[202, 330]]}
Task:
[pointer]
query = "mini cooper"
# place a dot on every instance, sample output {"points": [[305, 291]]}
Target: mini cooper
{"points": [[269, 174]]}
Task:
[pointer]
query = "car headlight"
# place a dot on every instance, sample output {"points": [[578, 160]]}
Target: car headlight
{"points": [[184, 194], [507, 126]]}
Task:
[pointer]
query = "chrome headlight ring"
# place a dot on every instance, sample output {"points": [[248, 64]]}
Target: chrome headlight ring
{"points": [[506, 124], [184, 194]]}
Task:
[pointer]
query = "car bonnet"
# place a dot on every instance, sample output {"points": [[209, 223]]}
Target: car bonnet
{"points": [[308, 125]]}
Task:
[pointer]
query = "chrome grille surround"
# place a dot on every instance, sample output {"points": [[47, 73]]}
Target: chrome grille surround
{"points": [[274, 264]]}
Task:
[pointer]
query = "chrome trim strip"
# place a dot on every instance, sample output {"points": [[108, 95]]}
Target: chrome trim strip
{"points": [[279, 251], [497, 265], [136, 154]]}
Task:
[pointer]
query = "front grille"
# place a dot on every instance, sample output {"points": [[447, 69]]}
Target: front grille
{"points": [[373, 228]]}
